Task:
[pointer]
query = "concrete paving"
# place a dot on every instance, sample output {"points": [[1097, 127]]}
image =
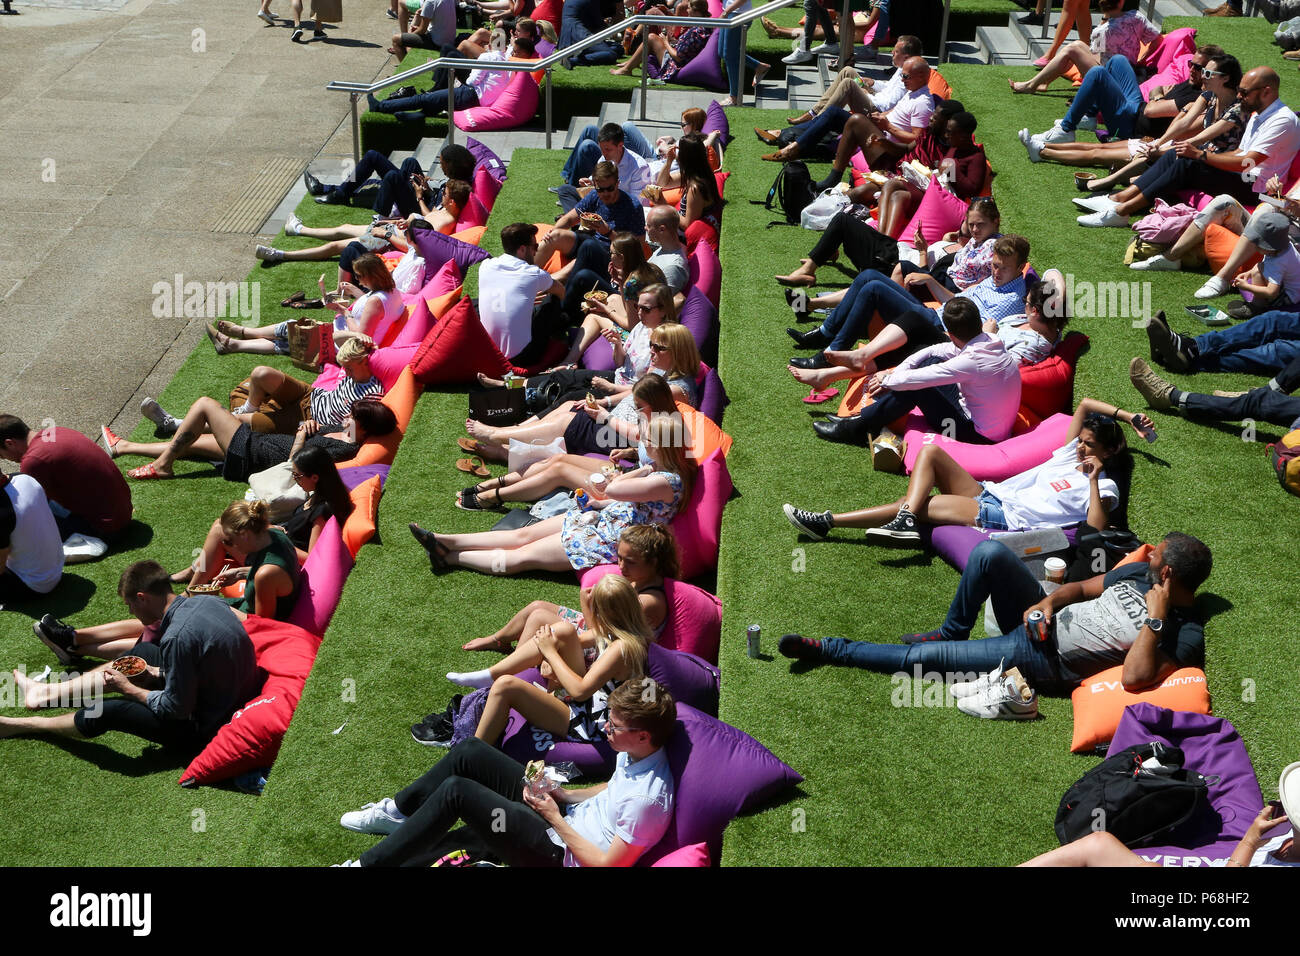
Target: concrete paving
{"points": [[127, 134]]}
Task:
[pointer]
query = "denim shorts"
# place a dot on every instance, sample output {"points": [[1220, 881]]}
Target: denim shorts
{"points": [[990, 515]]}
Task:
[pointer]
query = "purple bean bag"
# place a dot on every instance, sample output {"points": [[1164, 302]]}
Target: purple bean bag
{"points": [[706, 271], [713, 398], [354, 476], [599, 356], [323, 576], [705, 68], [1211, 746], [716, 121], [699, 315], [437, 250], [544, 47], [694, 620], [485, 158]]}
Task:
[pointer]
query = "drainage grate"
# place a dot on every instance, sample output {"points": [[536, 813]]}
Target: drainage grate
{"points": [[261, 197]]}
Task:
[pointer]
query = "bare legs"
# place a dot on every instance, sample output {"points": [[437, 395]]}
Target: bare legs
{"points": [[895, 205], [934, 469], [1073, 12], [538, 707], [1086, 154], [535, 548], [206, 414], [543, 429], [525, 621], [1096, 849], [1077, 54]]}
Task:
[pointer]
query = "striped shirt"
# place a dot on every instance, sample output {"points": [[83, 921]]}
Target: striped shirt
{"points": [[330, 406]]}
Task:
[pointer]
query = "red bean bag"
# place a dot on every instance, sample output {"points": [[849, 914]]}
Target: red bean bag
{"points": [[512, 109], [1047, 387], [456, 349], [251, 739]]}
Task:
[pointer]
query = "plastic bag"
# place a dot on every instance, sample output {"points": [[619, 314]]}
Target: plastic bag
{"points": [[409, 274], [523, 454], [817, 215]]}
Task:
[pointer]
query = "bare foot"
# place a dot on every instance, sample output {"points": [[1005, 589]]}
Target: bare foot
{"points": [[486, 644], [619, 71], [817, 378], [482, 432], [760, 71], [35, 696], [488, 382], [1025, 87], [851, 359], [805, 275]]}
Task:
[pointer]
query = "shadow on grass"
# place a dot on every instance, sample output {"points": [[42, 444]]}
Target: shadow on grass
{"points": [[1209, 605], [71, 596], [152, 760]]}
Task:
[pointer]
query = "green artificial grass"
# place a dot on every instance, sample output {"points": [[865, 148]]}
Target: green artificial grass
{"points": [[890, 779]]}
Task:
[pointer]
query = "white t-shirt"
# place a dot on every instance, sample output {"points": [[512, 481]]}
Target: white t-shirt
{"points": [[1055, 493], [1022, 341], [636, 806], [1275, 134], [1283, 268], [393, 307], [913, 110], [36, 549], [507, 287], [489, 84]]}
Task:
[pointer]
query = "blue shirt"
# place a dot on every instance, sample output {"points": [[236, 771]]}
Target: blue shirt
{"points": [[625, 215], [995, 301]]}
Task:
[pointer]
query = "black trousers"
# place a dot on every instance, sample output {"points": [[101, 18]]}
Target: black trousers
{"points": [[866, 247], [476, 783], [135, 718], [1261, 403]]}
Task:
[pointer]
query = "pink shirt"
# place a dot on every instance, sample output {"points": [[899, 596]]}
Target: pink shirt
{"points": [[986, 375]]}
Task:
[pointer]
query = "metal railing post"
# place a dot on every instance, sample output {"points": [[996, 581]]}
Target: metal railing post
{"points": [[550, 122], [1151, 9], [848, 37], [645, 66], [451, 109], [356, 131], [1047, 18], [943, 32], [744, 55]]}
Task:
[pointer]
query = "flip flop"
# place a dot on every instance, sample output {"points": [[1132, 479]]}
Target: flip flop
{"points": [[471, 445], [296, 297], [815, 397], [146, 472], [473, 466]]}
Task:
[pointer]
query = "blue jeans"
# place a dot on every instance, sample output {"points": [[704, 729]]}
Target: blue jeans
{"points": [[989, 564], [1036, 660], [1262, 404], [372, 163], [1111, 90], [873, 291], [828, 121], [431, 102], [729, 47], [1265, 344], [586, 152]]}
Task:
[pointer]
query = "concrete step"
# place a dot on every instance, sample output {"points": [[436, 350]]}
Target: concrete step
{"points": [[1000, 41], [668, 102], [965, 52], [576, 125]]}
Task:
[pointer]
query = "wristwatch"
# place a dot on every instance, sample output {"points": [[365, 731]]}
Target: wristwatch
{"points": [[1155, 623]]}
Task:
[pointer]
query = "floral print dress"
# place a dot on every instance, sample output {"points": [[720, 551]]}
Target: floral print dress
{"points": [[589, 544]]}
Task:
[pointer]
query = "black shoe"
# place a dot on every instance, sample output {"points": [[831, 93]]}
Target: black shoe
{"points": [[319, 35], [372, 103], [846, 431], [429, 542], [328, 198], [797, 300], [902, 530], [436, 734], [390, 14], [296, 36], [59, 638], [812, 339], [314, 186], [815, 524], [402, 92], [1167, 347], [799, 647], [810, 361], [1031, 19]]}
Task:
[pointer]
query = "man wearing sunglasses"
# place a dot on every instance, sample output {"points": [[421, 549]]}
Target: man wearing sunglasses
{"points": [[583, 233], [612, 144]]}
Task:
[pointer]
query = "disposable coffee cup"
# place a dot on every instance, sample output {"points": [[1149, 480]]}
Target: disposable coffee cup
{"points": [[1054, 570]]}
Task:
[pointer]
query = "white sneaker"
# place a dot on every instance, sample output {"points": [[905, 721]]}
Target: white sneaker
{"points": [[798, 57], [81, 547], [1093, 203], [266, 16], [346, 863], [267, 254], [1055, 135], [382, 817], [294, 226], [1088, 123], [1034, 146], [1156, 264], [826, 49], [1102, 220], [1212, 289], [1003, 701], [980, 684]]}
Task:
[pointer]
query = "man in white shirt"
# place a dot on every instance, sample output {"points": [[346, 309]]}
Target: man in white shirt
{"points": [[31, 548], [609, 824], [1268, 146], [633, 169], [509, 288]]}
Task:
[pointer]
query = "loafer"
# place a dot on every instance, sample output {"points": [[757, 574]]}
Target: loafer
{"points": [[845, 431], [314, 186], [767, 136], [810, 361], [814, 338]]}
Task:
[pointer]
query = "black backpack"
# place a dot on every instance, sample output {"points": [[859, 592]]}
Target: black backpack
{"points": [[1137, 806], [790, 193]]}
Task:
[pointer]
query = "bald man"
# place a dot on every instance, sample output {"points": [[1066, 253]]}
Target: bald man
{"points": [[1268, 146]]}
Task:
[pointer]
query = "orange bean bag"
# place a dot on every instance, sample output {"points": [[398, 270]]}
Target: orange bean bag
{"points": [[1219, 243], [401, 399]]}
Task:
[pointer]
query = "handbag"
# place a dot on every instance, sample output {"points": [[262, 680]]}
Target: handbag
{"points": [[817, 215], [307, 349], [498, 406], [277, 488], [1096, 552]]}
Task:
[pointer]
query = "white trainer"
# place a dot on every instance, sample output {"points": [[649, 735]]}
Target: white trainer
{"points": [[798, 57], [1093, 203], [1156, 264], [1006, 700], [294, 226], [981, 684], [382, 817], [1055, 135], [1108, 219], [1212, 289], [79, 548], [1088, 123], [826, 49]]}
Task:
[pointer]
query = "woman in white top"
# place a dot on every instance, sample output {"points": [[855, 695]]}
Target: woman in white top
{"points": [[376, 307], [1084, 480]]}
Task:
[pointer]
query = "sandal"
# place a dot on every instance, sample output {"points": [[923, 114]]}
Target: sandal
{"points": [[146, 472], [288, 303], [231, 330], [471, 500], [471, 445], [815, 397], [473, 466]]}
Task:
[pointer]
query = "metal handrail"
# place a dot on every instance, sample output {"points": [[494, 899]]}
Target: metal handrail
{"points": [[645, 21]]}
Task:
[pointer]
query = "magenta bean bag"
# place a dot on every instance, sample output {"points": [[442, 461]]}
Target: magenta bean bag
{"points": [[1212, 747], [705, 68], [1175, 73], [486, 187], [252, 737], [1172, 45], [323, 575], [700, 316], [706, 272], [995, 462], [512, 109], [939, 212], [421, 321], [694, 620], [698, 526], [386, 363], [474, 214], [695, 855]]}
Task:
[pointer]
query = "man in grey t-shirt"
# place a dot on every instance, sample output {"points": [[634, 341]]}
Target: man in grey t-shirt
{"points": [[661, 229]]}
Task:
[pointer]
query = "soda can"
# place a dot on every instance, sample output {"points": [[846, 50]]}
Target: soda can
{"points": [[752, 634], [1036, 625]]}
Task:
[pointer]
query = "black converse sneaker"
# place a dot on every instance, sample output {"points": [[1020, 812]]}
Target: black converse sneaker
{"points": [[902, 530], [815, 524]]}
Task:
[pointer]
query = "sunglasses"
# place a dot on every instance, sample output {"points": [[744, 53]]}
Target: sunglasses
{"points": [[1243, 91], [607, 189], [656, 347], [1209, 73], [646, 308], [297, 475], [1195, 66]]}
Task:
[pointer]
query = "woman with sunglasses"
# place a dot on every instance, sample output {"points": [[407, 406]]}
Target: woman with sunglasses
{"points": [[629, 273], [1086, 479]]}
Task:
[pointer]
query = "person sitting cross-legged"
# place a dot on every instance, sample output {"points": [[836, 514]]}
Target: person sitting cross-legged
{"points": [[609, 824], [1140, 615]]}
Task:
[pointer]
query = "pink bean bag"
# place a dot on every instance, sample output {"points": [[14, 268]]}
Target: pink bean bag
{"points": [[694, 621], [994, 462], [323, 575], [512, 109], [386, 363], [252, 737], [1161, 54], [706, 272], [1172, 75], [698, 526], [422, 313], [486, 187], [939, 212], [474, 214]]}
